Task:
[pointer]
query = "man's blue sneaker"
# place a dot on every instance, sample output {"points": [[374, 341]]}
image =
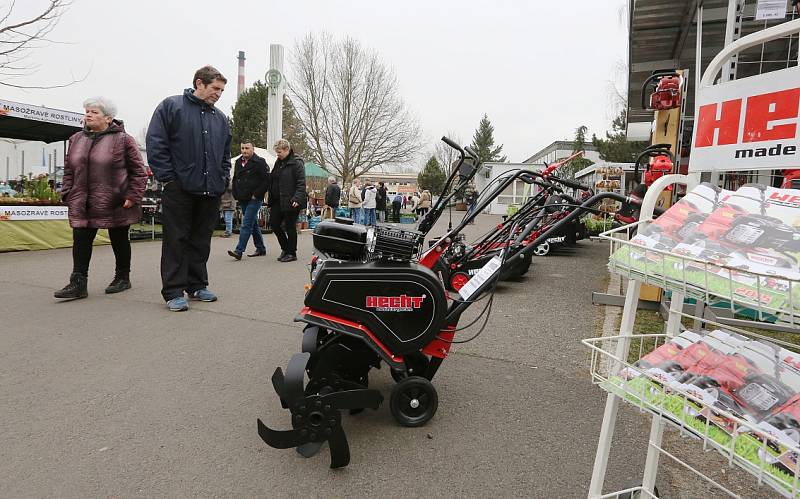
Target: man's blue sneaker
{"points": [[203, 295], [178, 304]]}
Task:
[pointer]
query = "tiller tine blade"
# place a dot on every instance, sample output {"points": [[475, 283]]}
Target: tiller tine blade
{"points": [[277, 384], [310, 337], [310, 449], [354, 399], [293, 381], [281, 439], [340, 449]]}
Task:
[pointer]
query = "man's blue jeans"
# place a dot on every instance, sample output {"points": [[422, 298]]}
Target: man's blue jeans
{"points": [[355, 214], [228, 215], [250, 226], [369, 216]]}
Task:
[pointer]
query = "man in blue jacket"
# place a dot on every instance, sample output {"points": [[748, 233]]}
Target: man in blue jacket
{"points": [[189, 151]]}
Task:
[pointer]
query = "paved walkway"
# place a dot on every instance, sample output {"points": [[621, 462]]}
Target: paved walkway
{"points": [[116, 396]]}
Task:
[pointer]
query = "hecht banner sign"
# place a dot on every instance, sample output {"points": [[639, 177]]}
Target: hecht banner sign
{"points": [[748, 124], [11, 213]]}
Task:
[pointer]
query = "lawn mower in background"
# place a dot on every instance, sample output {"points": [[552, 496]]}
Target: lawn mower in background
{"points": [[462, 260], [542, 210], [382, 305]]}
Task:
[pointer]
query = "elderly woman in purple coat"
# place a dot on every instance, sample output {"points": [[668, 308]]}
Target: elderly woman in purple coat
{"points": [[104, 180]]}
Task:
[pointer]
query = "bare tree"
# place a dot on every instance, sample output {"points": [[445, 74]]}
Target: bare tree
{"points": [[446, 155], [350, 106], [19, 37]]}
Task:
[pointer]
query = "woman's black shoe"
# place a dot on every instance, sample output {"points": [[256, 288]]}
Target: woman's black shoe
{"points": [[281, 256], [75, 289], [120, 283]]}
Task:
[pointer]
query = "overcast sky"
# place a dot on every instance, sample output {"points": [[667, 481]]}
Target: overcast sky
{"points": [[537, 68]]}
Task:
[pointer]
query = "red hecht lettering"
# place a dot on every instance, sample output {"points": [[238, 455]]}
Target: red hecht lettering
{"points": [[394, 302], [763, 109], [727, 124], [784, 198]]}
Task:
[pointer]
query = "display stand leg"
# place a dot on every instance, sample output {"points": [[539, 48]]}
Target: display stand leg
{"points": [[675, 310], [651, 463], [612, 402], [657, 426]]}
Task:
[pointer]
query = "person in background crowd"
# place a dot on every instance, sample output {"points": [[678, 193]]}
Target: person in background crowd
{"points": [[397, 202], [381, 197], [354, 201], [333, 195], [414, 203], [472, 200], [287, 194], [405, 202], [250, 183], [189, 151], [228, 206], [424, 202], [104, 181], [369, 203]]}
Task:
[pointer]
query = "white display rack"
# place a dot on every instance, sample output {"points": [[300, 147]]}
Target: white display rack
{"points": [[678, 408], [612, 366]]}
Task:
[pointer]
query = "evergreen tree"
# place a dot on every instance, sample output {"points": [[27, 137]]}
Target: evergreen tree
{"points": [[615, 148], [483, 142], [248, 121], [570, 169], [432, 177]]}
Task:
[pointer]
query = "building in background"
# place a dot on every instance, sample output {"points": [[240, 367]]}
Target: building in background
{"points": [[516, 193], [29, 158]]}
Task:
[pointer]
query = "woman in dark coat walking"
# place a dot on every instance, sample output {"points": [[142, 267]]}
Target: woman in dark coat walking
{"points": [[104, 180]]}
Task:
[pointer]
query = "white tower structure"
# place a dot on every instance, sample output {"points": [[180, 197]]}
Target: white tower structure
{"points": [[276, 83]]}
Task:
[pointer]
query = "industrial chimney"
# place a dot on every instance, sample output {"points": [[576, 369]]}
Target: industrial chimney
{"points": [[240, 82]]}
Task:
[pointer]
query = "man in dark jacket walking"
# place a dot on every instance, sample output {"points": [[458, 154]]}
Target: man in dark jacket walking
{"points": [[333, 196], [287, 193], [189, 151], [381, 197], [250, 183]]}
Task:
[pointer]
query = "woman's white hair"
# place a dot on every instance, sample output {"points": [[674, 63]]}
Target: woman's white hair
{"points": [[105, 106]]}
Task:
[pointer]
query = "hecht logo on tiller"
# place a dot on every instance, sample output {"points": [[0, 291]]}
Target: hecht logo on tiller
{"points": [[402, 303]]}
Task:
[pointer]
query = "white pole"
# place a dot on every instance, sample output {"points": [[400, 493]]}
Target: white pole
{"points": [[731, 26], [275, 80], [698, 56]]}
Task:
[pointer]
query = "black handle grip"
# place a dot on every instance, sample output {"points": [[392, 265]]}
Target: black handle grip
{"points": [[452, 144], [568, 183]]}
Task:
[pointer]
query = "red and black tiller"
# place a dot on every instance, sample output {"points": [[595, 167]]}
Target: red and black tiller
{"points": [[380, 305]]}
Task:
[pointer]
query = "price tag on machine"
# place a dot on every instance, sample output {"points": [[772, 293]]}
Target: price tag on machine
{"points": [[487, 271]]}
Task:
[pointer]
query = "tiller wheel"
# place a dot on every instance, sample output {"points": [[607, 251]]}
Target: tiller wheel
{"points": [[316, 418]]}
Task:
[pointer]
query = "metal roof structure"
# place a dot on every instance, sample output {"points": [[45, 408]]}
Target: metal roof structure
{"points": [[663, 35]]}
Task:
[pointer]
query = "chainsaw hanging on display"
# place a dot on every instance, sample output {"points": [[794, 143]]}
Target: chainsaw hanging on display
{"points": [[379, 302], [661, 91]]}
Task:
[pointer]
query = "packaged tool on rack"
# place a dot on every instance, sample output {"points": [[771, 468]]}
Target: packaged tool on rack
{"points": [[741, 246], [724, 386]]}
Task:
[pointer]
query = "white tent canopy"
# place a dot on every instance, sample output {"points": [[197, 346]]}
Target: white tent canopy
{"points": [[264, 153]]}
